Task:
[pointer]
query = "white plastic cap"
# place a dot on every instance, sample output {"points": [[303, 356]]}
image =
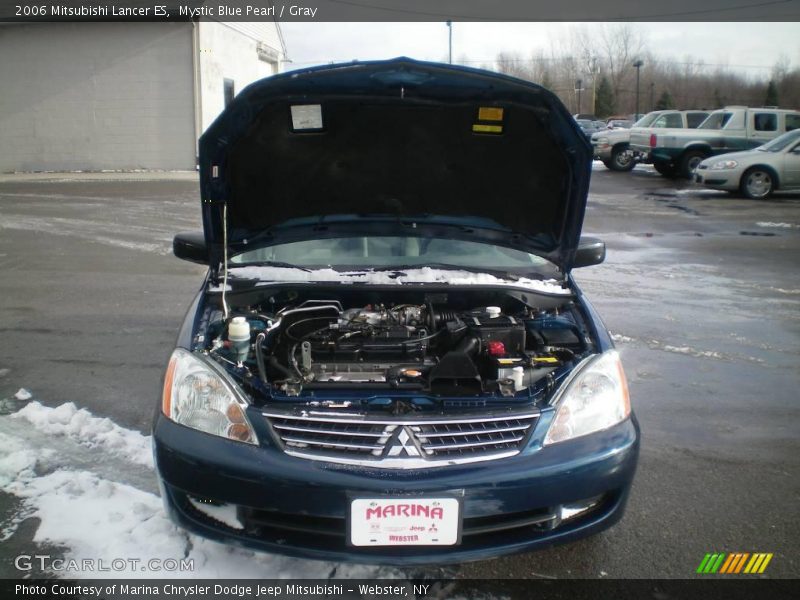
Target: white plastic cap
{"points": [[493, 311], [238, 329]]}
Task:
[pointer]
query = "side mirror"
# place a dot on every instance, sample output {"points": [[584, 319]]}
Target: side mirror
{"points": [[191, 246], [591, 251]]}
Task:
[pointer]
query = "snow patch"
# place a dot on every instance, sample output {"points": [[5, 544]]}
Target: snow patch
{"points": [[23, 394], [93, 517], [693, 352], [87, 430], [621, 339], [776, 225], [224, 513], [391, 277]]}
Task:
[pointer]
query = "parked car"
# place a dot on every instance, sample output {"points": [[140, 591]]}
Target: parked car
{"points": [[755, 173], [389, 360], [679, 152], [589, 127], [619, 124], [613, 146]]}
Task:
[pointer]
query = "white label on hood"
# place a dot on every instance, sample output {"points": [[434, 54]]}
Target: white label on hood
{"points": [[306, 116]]}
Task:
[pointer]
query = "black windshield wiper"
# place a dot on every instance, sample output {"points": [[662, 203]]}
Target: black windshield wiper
{"points": [[268, 263]]}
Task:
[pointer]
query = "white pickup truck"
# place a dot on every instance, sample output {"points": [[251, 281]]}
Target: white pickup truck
{"points": [[613, 146], [677, 152]]}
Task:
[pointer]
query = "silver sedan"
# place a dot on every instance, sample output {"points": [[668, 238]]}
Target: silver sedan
{"points": [[755, 173]]}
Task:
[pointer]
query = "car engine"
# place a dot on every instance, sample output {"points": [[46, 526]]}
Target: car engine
{"points": [[437, 348]]}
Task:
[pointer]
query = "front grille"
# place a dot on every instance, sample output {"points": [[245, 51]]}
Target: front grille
{"points": [[402, 442]]}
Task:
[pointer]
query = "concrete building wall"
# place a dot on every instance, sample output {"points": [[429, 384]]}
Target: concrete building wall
{"points": [[231, 51], [94, 96]]}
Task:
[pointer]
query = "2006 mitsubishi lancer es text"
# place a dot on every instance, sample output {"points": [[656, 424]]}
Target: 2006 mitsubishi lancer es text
{"points": [[389, 361]]}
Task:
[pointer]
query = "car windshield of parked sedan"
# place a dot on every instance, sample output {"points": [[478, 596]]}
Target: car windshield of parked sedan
{"points": [[393, 252], [781, 142]]}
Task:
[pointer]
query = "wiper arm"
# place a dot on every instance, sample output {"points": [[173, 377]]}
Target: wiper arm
{"points": [[268, 263]]}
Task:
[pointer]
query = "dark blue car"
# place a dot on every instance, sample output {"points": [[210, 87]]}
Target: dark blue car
{"points": [[389, 361]]}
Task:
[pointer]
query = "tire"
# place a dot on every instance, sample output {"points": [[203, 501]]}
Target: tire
{"points": [[664, 168], [621, 158], [607, 163], [757, 183], [689, 162]]}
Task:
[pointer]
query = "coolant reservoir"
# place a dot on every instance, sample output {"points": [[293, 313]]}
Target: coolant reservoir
{"points": [[239, 337]]}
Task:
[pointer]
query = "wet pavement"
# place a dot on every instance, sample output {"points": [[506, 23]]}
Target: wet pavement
{"points": [[700, 290]]}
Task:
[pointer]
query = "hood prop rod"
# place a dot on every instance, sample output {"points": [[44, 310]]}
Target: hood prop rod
{"points": [[224, 258]]}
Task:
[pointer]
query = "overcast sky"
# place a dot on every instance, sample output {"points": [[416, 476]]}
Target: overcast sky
{"points": [[752, 48]]}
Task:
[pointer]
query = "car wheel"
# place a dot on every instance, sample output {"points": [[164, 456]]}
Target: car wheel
{"points": [[666, 169], [689, 163], [622, 159], [757, 183]]}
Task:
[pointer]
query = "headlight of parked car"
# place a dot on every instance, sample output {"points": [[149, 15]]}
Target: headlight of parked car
{"points": [[603, 141], [197, 396], [724, 164], [594, 399]]}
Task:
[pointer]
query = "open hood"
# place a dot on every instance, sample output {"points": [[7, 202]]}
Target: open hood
{"points": [[393, 148]]}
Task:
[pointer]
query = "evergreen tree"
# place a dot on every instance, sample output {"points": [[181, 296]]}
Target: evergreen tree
{"points": [[604, 104], [772, 94], [665, 101]]}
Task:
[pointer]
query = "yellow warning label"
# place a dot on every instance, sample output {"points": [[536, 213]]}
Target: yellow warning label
{"points": [[545, 359], [478, 128], [490, 113]]}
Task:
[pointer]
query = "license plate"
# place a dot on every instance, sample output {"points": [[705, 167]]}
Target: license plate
{"points": [[405, 521]]}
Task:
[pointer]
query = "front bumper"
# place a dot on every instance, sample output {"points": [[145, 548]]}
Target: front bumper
{"points": [[602, 151], [719, 179], [299, 507]]}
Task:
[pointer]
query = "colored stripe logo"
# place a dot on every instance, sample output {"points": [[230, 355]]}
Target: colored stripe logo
{"points": [[734, 563]]}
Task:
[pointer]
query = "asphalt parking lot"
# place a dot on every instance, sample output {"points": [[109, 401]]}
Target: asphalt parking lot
{"points": [[700, 290]]}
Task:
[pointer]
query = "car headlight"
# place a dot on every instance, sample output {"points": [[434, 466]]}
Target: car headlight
{"points": [[600, 140], [724, 164], [198, 396], [594, 399]]}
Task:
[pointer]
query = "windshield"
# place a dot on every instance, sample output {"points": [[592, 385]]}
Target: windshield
{"points": [[385, 252], [716, 120], [781, 142], [646, 120]]}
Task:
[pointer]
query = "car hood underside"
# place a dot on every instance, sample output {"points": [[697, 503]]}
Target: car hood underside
{"points": [[399, 144]]}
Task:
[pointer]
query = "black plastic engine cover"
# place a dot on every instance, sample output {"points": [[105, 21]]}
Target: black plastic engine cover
{"points": [[504, 329]]}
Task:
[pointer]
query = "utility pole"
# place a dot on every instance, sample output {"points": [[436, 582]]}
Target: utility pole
{"points": [[450, 42], [638, 65], [579, 89], [652, 95]]}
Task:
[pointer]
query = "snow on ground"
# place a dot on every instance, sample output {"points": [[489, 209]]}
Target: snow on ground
{"points": [[23, 394], [90, 483], [776, 225], [83, 428]]}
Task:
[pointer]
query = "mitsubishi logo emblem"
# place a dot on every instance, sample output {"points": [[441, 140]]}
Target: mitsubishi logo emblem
{"points": [[402, 445]]}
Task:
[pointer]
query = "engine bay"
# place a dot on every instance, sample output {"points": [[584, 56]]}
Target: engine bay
{"points": [[448, 344]]}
